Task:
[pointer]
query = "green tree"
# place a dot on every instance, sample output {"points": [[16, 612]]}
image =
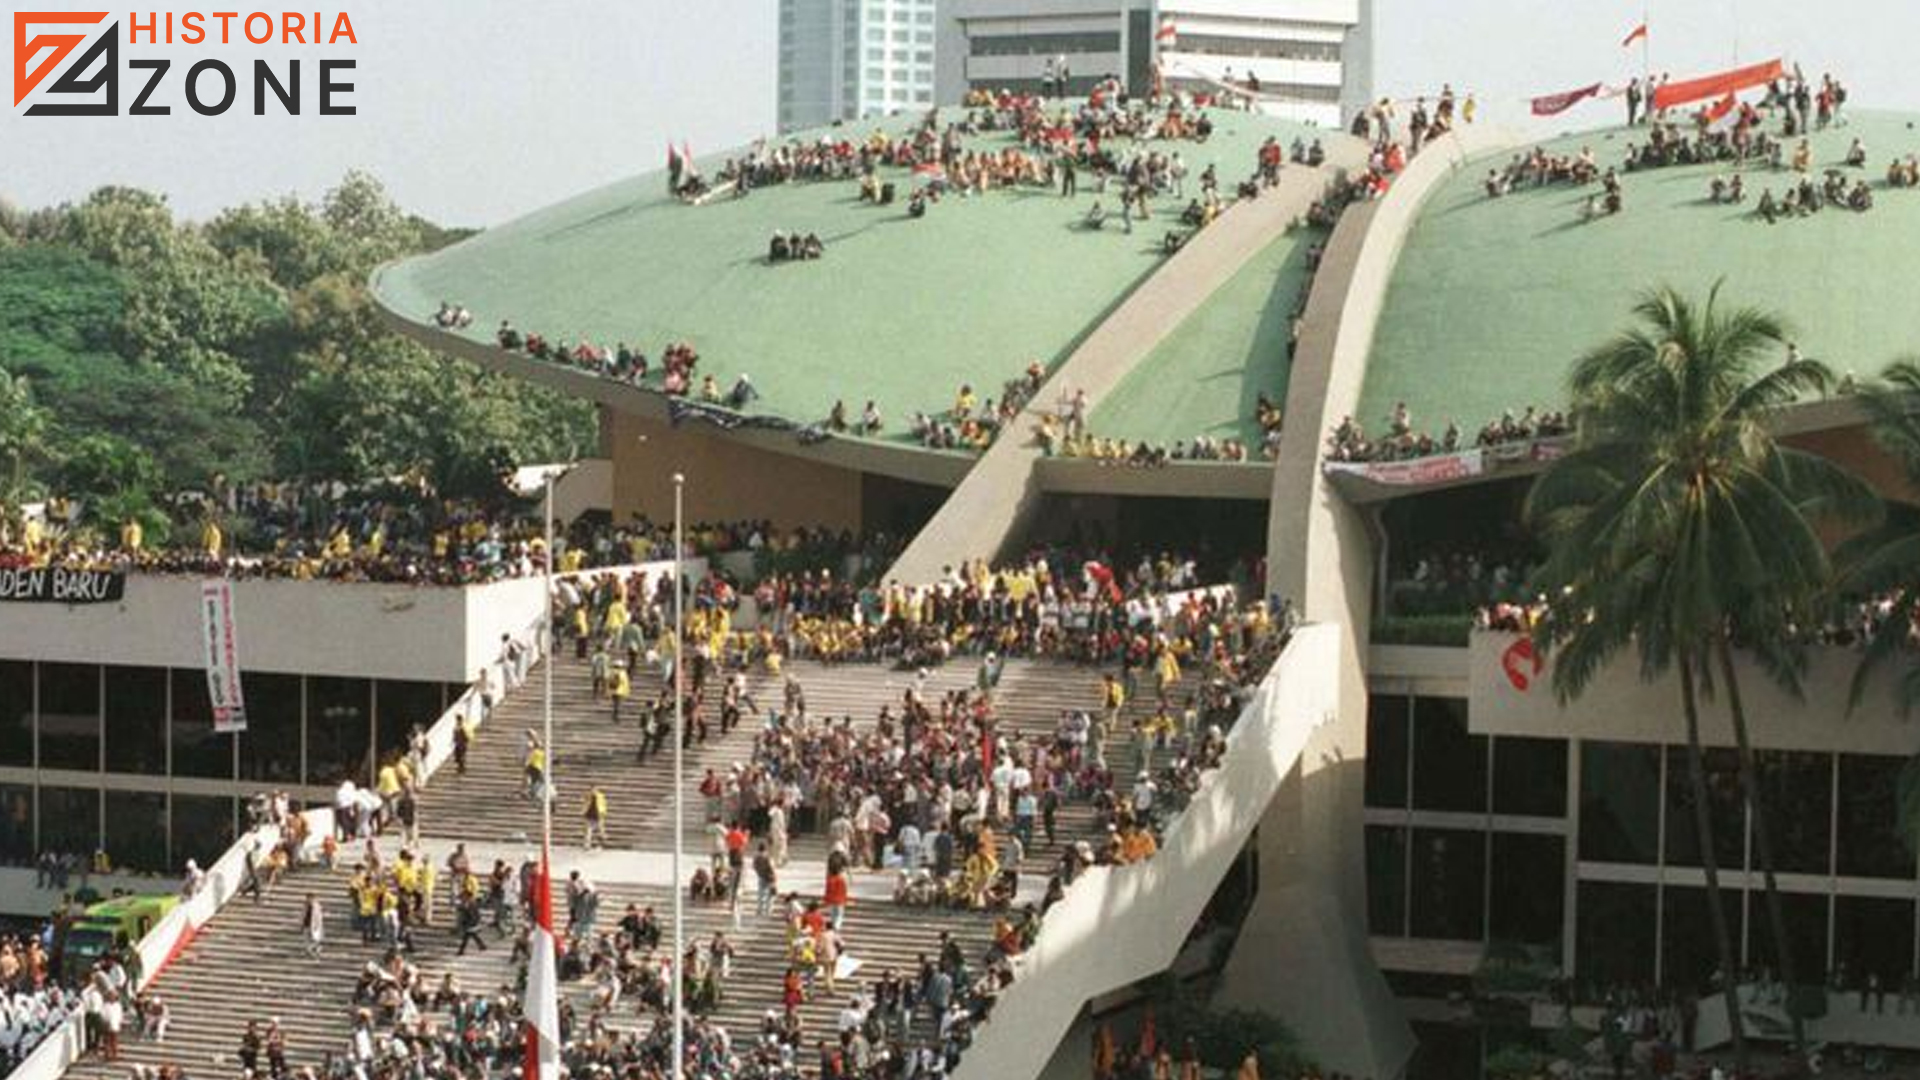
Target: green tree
{"points": [[23, 433], [1680, 530]]}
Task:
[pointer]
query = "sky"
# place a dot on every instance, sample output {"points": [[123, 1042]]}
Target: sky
{"points": [[475, 111]]}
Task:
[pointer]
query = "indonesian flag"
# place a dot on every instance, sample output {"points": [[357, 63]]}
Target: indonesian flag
{"points": [[1168, 34], [1722, 112], [673, 155], [543, 985], [1639, 34]]}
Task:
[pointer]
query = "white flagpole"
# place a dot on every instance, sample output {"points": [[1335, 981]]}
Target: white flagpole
{"points": [[679, 791], [542, 637]]}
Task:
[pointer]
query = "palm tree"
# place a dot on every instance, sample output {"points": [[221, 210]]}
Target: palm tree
{"points": [[1886, 561], [1679, 530]]}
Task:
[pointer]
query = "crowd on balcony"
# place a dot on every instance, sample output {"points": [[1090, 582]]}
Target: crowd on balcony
{"points": [[394, 534], [1349, 440]]}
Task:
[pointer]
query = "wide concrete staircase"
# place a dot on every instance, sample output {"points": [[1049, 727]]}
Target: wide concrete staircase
{"points": [[248, 962]]}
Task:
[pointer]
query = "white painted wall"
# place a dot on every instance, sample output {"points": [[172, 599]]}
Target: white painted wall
{"points": [[301, 627], [1619, 705]]}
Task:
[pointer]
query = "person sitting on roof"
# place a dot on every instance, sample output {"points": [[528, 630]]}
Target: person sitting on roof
{"points": [[1857, 154], [837, 417], [870, 419], [743, 392], [809, 247], [508, 337], [779, 249], [1096, 216]]}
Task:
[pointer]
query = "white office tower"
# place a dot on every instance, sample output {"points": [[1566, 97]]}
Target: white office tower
{"points": [[846, 59], [1311, 58]]}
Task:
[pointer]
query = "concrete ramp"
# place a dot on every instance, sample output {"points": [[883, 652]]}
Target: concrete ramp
{"points": [[1118, 925], [994, 499]]}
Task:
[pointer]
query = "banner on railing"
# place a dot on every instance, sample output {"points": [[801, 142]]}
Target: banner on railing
{"points": [[1427, 470], [223, 656], [61, 585]]}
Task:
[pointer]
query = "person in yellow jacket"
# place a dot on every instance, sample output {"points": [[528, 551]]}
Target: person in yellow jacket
{"points": [[536, 766], [618, 687], [595, 815], [132, 535], [212, 541]]}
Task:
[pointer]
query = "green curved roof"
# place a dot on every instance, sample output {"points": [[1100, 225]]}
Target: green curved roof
{"points": [[1493, 299], [899, 310], [1207, 376]]}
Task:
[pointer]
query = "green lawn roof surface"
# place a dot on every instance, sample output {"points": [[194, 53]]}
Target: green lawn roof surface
{"points": [[898, 310], [1494, 299], [1207, 376]]}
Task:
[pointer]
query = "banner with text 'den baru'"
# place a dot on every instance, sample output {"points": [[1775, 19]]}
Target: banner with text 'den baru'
{"points": [[223, 656]]}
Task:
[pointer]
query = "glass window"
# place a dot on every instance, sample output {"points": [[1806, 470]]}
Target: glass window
{"points": [[70, 717], [137, 830], [1870, 844], [16, 824], [1530, 897], [1449, 884], [1688, 953], [202, 828], [1613, 933], [1387, 880], [136, 724], [1796, 789], [1728, 810], [339, 727], [70, 820], [1873, 935], [1806, 917], [270, 747], [1449, 765], [1387, 718], [1530, 776], [1619, 802], [403, 706], [16, 713], [198, 751]]}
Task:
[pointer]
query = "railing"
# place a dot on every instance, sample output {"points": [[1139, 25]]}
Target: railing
{"points": [[1118, 925]]}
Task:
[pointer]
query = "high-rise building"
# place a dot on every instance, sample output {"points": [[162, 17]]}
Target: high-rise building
{"points": [[846, 59], [1310, 57]]}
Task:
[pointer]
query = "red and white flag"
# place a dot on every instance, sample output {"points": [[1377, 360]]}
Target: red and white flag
{"points": [[1168, 34], [1722, 113], [1639, 34], [542, 1006]]}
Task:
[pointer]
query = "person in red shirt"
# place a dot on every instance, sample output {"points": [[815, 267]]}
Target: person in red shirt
{"points": [[836, 897]]}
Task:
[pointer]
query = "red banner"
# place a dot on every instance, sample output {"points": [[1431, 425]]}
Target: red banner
{"points": [[1715, 86], [1555, 104]]}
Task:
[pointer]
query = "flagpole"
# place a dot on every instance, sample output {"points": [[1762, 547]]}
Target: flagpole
{"points": [[542, 636], [679, 789]]}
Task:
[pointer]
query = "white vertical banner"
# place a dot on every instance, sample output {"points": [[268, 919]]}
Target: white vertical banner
{"points": [[223, 656]]}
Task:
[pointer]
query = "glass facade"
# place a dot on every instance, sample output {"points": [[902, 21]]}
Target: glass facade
{"points": [[1467, 839], [125, 759]]}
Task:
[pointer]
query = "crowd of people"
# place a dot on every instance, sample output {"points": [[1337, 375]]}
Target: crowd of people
{"points": [[1349, 440], [385, 534]]}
